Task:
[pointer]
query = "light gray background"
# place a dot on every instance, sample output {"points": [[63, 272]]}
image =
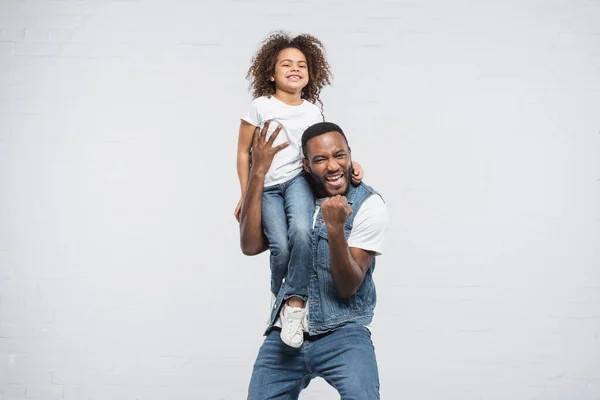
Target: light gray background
{"points": [[121, 276]]}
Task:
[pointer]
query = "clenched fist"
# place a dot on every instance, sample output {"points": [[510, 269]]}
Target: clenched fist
{"points": [[335, 211]]}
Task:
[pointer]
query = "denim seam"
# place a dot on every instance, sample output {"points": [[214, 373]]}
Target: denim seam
{"points": [[329, 381], [287, 396], [306, 360], [287, 296], [334, 324]]}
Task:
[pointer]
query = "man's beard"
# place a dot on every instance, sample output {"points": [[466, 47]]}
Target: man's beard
{"points": [[318, 186]]}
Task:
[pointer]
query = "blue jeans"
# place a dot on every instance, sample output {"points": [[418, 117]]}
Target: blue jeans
{"points": [[287, 212], [345, 358]]}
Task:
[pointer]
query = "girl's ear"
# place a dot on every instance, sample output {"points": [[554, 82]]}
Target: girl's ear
{"points": [[272, 79]]}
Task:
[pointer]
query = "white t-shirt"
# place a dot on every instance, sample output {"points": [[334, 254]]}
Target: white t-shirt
{"points": [[368, 232], [294, 120]]}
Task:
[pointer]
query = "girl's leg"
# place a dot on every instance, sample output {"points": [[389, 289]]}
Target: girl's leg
{"points": [[299, 209], [276, 230]]}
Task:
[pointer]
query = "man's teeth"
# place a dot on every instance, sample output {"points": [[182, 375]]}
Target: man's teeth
{"points": [[334, 177]]}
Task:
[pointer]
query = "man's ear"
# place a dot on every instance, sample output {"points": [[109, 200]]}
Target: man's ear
{"points": [[305, 165]]}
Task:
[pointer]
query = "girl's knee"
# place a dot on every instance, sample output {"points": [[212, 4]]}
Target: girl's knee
{"points": [[300, 231], [280, 249]]}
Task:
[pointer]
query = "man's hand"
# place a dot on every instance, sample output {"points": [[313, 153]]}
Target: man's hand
{"points": [[335, 211], [252, 237], [263, 151]]}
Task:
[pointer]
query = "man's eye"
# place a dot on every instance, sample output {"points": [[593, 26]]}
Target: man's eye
{"points": [[340, 156]]}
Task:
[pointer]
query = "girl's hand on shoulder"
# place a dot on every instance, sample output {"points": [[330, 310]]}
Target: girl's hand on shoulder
{"points": [[357, 173]]}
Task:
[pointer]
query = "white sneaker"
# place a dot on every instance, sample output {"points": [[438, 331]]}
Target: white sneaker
{"points": [[292, 325]]}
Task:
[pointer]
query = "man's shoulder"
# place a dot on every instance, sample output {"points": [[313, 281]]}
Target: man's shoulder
{"points": [[366, 187], [374, 204], [370, 221], [365, 191], [371, 202]]}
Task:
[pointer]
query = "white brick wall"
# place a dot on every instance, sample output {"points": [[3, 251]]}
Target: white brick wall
{"points": [[120, 274]]}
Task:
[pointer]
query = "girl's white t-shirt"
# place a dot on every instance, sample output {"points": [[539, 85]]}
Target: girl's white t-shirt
{"points": [[294, 119]]}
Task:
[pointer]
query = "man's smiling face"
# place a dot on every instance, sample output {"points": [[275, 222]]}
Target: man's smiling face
{"points": [[328, 161]]}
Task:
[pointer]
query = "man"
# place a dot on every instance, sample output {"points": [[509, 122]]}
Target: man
{"points": [[349, 225]]}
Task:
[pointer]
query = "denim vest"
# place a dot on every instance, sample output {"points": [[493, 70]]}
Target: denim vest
{"points": [[326, 311]]}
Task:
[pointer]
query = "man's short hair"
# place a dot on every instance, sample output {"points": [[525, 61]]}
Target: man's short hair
{"points": [[318, 129]]}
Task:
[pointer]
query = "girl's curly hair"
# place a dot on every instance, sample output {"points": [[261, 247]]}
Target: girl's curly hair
{"points": [[263, 65]]}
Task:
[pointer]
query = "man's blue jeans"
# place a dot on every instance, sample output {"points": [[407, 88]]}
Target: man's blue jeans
{"points": [[287, 212], [345, 358]]}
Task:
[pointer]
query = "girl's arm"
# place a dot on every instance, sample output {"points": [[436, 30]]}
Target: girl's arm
{"points": [[243, 161], [243, 154]]}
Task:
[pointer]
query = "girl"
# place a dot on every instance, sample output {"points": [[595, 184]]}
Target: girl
{"points": [[286, 76]]}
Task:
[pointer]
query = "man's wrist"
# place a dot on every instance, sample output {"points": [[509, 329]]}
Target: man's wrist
{"points": [[333, 228], [258, 173]]}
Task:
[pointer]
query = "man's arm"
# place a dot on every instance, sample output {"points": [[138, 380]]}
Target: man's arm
{"points": [[350, 258], [348, 265], [252, 238]]}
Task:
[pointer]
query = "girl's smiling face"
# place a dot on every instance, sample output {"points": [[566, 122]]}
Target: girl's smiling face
{"points": [[291, 71]]}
